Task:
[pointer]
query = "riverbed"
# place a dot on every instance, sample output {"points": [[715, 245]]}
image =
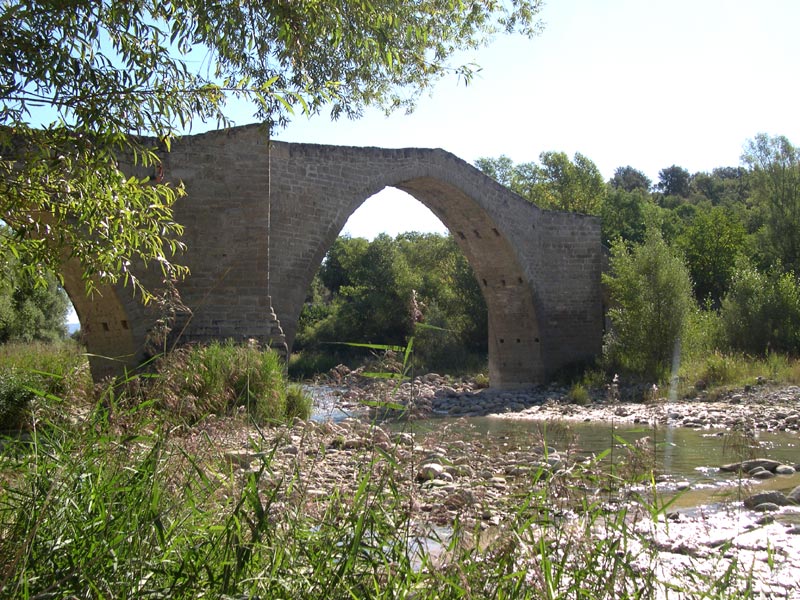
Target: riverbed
{"points": [[487, 444]]}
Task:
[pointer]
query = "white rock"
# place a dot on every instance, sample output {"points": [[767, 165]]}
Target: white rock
{"points": [[429, 471]]}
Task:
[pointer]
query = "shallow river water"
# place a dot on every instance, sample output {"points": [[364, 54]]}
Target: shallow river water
{"points": [[687, 458], [683, 455]]}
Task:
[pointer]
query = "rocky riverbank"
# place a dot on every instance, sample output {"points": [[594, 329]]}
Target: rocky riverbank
{"points": [[480, 480], [764, 407]]}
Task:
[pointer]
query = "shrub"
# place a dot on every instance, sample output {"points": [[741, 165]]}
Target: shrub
{"points": [[651, 296], [298, 402], [761, 312], [28, 370], [220, 378], [579, 395], [15, 398]]}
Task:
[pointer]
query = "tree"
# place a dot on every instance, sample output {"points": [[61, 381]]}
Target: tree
{"points": [[674, 181], [340, 262], [557, 183], [624, 215], [761, 311], [31, 309], [500, 169], [651, 296], [711, 245], [117, 81], [629, 179], [775, 182]]}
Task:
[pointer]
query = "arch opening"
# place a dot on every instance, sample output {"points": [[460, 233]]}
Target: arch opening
{"points": [[513, 346], [393, 248]]}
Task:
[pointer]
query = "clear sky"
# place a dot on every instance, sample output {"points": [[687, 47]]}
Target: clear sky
{"points": [[646, 83]]}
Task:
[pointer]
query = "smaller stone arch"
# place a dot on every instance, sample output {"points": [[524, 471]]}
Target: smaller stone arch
{"points": [[107, 330]]}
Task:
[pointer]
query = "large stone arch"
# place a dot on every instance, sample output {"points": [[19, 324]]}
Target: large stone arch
{"points": [[514, 341], [259, 217]]}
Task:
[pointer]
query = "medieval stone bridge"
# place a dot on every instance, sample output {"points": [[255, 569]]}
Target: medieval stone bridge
{"points": [[251, 202]]}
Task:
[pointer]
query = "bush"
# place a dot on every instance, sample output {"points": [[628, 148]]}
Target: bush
{"points": [[219, 378], [761, 312], [651, 296], [29, 370], [15, 398], [579, 395]]}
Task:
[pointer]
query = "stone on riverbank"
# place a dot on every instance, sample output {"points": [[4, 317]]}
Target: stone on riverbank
{"points": [[776, 498]]}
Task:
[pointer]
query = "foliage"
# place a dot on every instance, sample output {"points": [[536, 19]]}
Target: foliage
{"points": [[651, 299], [726, 186], [629, 179], [363, 290], [624, 215], [719, 371], [30, 371], [557, 183], [578, 394], [16, 395], [82, 82], [299, 403], [775, 180], [674, 181], [31, 309], [761, 312], [220, 378], [711, 245]]}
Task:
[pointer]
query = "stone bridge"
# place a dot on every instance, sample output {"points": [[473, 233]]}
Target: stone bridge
{"points": [[252, 203]]}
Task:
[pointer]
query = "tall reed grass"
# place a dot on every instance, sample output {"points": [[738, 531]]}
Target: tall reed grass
{"points": [[94, 511]]}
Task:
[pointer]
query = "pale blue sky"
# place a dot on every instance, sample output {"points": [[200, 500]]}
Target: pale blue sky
{"points": [[647, 83]]}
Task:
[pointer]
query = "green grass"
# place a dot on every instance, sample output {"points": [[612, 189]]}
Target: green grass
{"points": [[717, 371], [130, 501], [36, 377], [221, 378], [87, 512]]}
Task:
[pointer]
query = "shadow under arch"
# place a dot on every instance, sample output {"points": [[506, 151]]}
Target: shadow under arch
{"points": [[106, 327]]}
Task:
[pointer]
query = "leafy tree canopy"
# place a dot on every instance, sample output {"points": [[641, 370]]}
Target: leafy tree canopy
{"points": [[711, 245], [651, 294], [629, 179], [31, 309], [80, 81], [775, 179], [674, 181], [557, 183]]}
